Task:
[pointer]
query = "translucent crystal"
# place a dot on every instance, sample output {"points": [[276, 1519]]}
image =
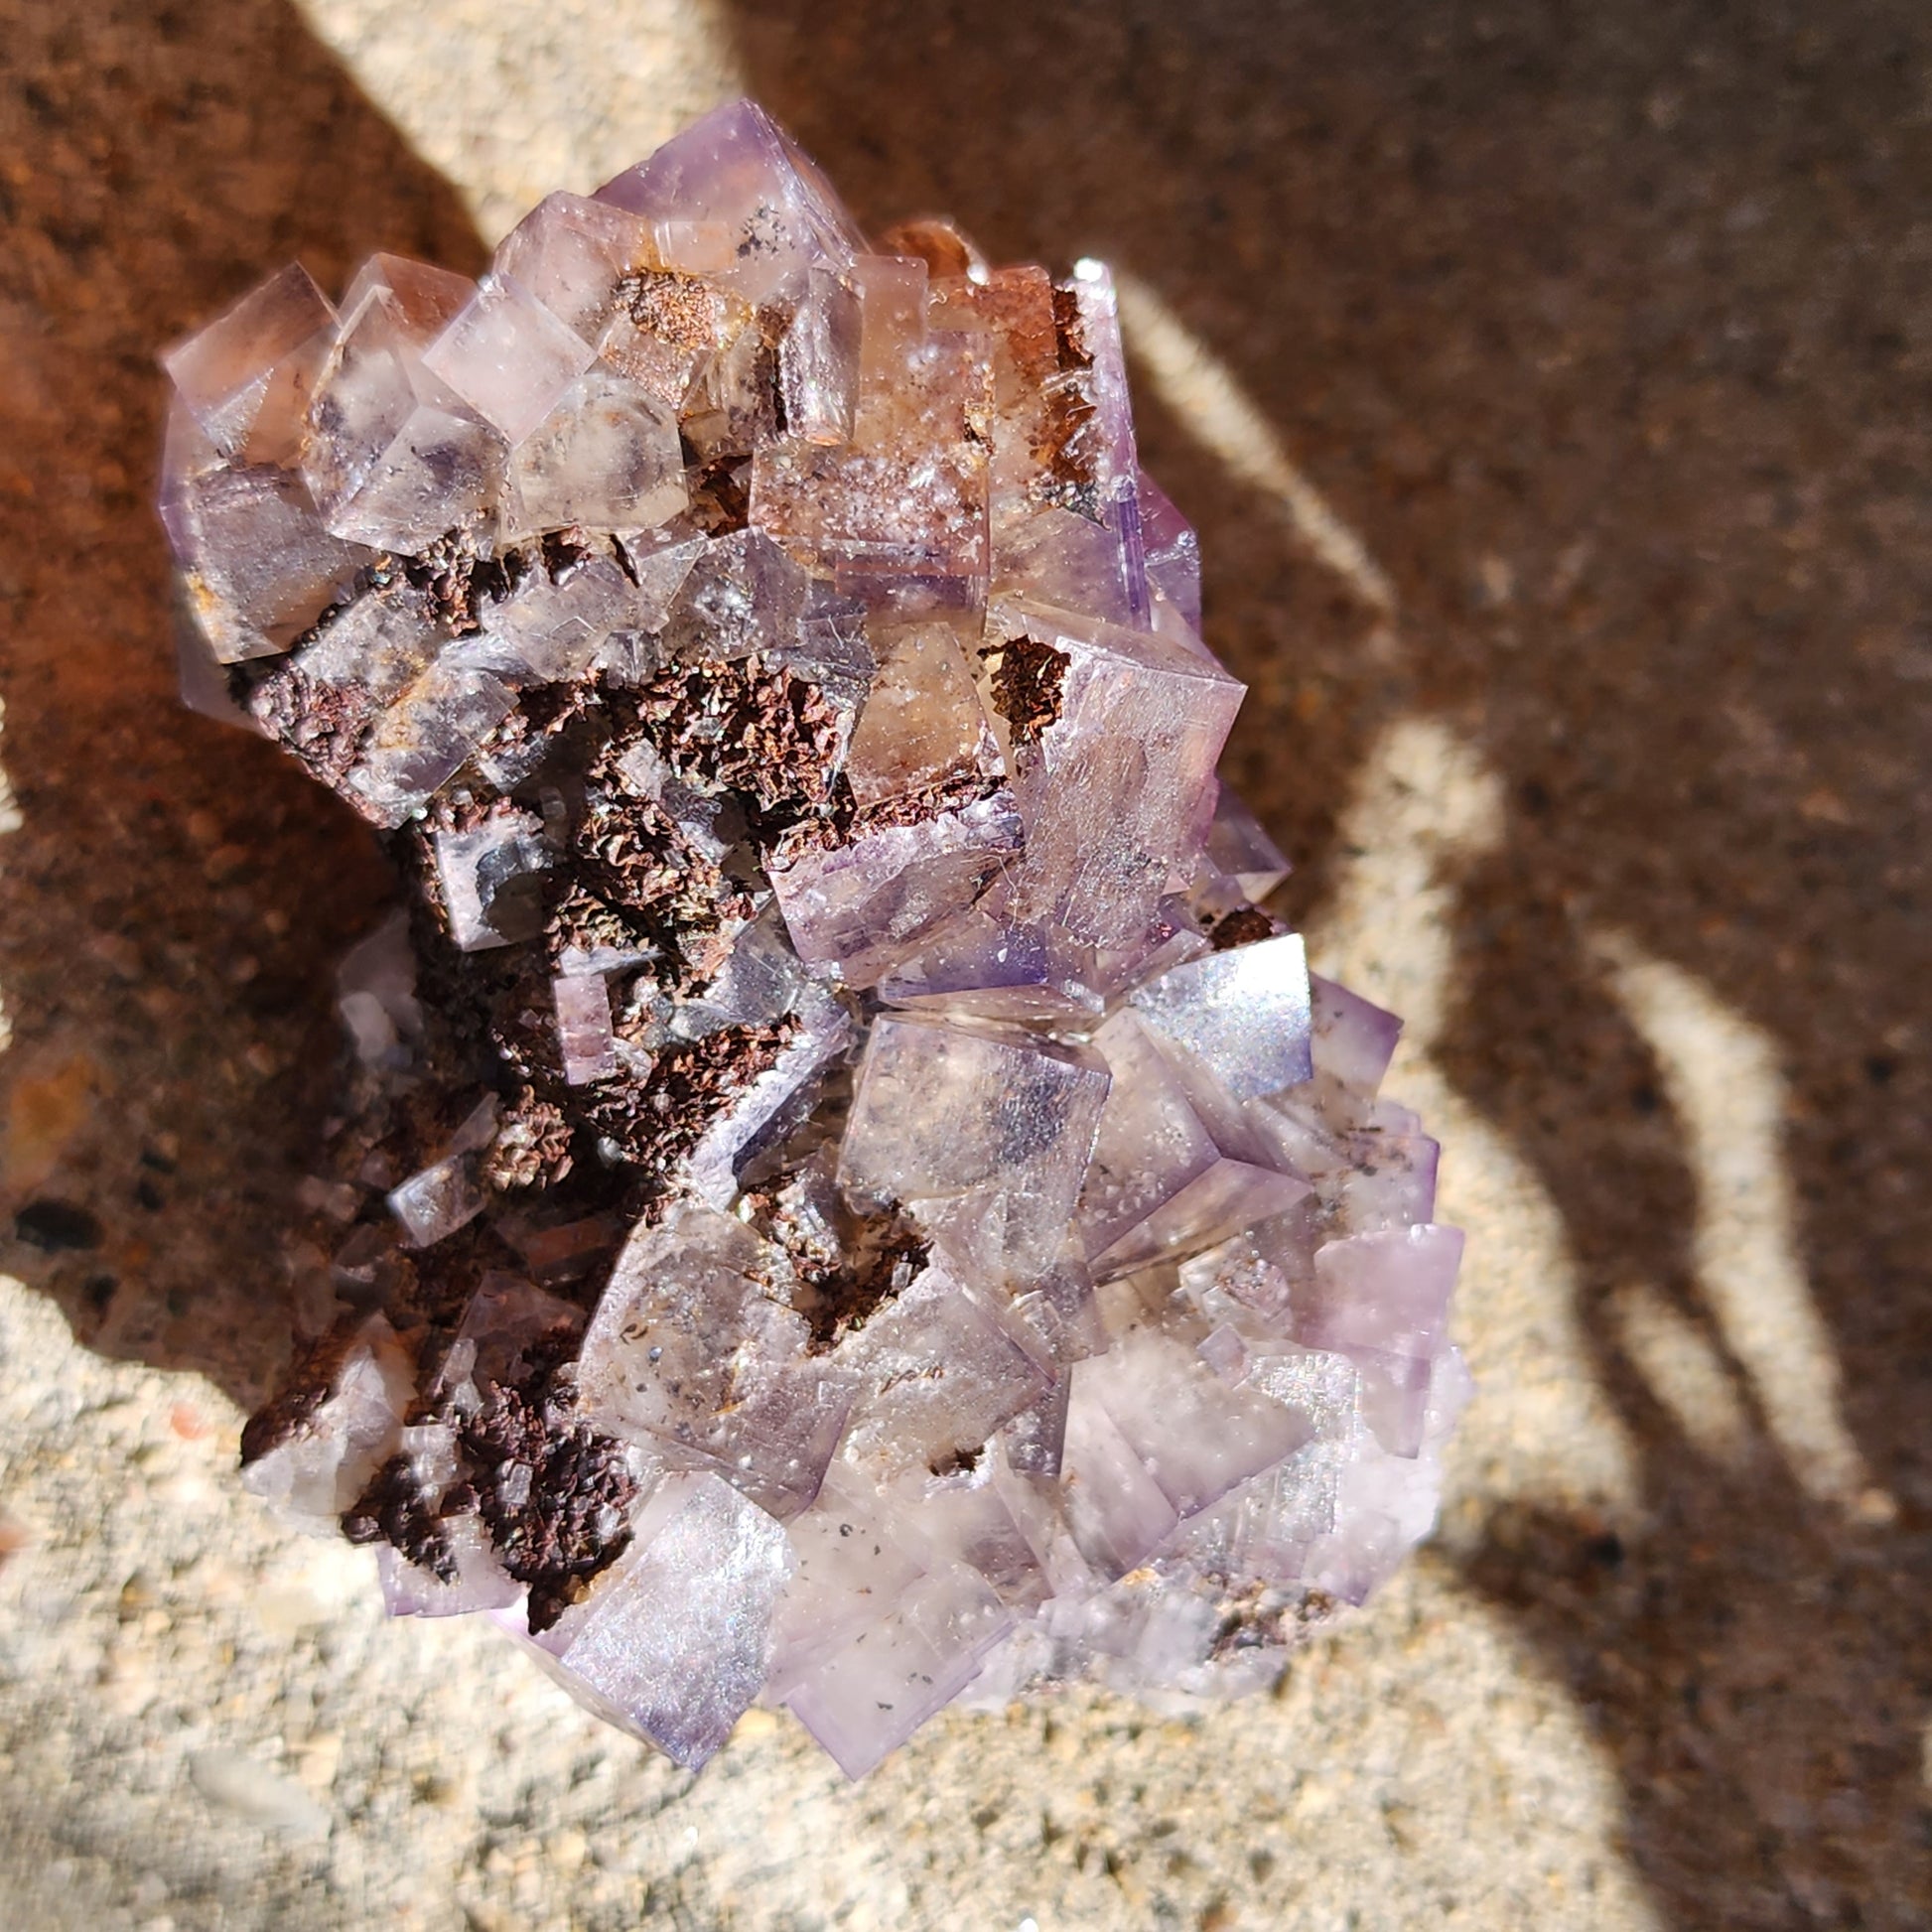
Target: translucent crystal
{"points": [[246, 378], [320, 1464], [392, 455], [571, 254], [586, 1042], [738, 172], [1241, 1015], [862, 903], [604, 455], [1163, 1185], [507, 356], [690, 1348], [676, 1640], [1109, 790], [987, 1137], [490, 885], [258, 567]]}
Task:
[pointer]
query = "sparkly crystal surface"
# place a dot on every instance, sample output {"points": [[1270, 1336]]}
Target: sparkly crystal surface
{"points": [[844, 1197]]}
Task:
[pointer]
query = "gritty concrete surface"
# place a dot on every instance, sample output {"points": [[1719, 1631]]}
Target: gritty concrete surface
{"points": [[1550, 384]]}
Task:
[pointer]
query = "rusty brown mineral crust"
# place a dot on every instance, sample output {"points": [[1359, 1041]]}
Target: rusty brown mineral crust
{"points": [[1028, 677]]}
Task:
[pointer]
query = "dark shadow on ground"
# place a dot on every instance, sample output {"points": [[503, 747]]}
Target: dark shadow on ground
{"points": [[1608, 329], [176, 892]]}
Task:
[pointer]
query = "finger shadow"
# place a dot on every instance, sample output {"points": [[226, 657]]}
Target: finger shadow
{"points": [[1747, 1662], [176, 892]]}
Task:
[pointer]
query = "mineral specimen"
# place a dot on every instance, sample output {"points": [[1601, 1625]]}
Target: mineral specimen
{"points": [[846, 1198]]}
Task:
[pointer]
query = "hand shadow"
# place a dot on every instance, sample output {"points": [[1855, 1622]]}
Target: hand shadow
{"points": [[176, 892], [1540, 299]]}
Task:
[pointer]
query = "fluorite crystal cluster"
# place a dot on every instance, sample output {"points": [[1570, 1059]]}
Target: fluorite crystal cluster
{"points": [[845, 1195]]}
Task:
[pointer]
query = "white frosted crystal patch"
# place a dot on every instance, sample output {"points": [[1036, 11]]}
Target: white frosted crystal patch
{"points": [[323, 1463], [488, 876], [1241, 1015]]}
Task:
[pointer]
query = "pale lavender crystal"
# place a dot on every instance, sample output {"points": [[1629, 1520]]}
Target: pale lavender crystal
{"points": [[507, 356], [258, 567], [1240, 864], [444, 1196], [882, 1628], [845, 1199], [246, 379], [861, 907], [392, 455], [1163, 1185], [693, 1352], [1350, 1040], [437, 1200], [474, 1579], [584, 1040], [866, 1700], [737, 172], [1111, 429], [818, 361], [480, 1582], [743, 597], [424, 739], [319, 1469], [771, 1101], [899, 512], [986, 1138], [571, 253], [604, 455], [547, 633], [1382, 1300], [898, 1422], [676, 1641], [1108, 793], [1193, 1440], [1172, 553], [376, 983]]}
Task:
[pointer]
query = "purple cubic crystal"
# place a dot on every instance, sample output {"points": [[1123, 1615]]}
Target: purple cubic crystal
{"points": [[844, 1198]]}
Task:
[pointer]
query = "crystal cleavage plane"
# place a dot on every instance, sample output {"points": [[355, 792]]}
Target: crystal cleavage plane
{"points": [[845, 1199]]}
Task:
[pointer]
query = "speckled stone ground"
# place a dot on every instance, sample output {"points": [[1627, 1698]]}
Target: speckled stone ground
{"points": [[1551, 387]]}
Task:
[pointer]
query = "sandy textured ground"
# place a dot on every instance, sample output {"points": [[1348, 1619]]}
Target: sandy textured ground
{"points": [[1551, 386]]}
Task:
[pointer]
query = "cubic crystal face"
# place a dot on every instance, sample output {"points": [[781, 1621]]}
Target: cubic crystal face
{"points": [[846, 1198]]}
